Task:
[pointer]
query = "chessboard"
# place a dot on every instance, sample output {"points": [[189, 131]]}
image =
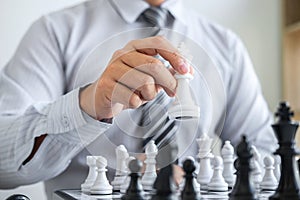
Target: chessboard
{"points": [[78, 195], [214, 179]]}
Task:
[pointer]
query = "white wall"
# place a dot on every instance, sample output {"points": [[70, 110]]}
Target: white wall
{"points": [[256, 21]]}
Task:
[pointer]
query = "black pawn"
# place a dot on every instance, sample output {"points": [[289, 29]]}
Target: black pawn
{"points": [[188, 192], [18, 197], [134, 190], [164, 185], [285, 130], [243, 188]]}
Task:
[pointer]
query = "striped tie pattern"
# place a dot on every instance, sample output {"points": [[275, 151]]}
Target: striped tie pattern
{"points": [[163, 130], [156, 17]]}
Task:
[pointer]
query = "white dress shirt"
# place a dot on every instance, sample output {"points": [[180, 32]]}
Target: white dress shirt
{"points": [[69, 49]]}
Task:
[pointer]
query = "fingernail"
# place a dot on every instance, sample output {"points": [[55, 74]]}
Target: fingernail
{"points": [[183, 67]]}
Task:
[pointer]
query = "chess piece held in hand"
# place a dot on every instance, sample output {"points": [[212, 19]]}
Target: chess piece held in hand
{"points": [[184, 106]]}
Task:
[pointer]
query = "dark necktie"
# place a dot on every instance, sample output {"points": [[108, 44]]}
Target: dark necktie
{"points": [[157, 17], [162, 129]]}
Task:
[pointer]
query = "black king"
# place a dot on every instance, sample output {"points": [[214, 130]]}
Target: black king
{"points": [[285, 131]]}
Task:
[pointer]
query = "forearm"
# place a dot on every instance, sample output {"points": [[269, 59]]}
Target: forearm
{"points": [[52, 158], [66, 126]]}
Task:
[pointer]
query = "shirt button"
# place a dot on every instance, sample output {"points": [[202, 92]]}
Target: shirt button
{"points": [[65, 121]]}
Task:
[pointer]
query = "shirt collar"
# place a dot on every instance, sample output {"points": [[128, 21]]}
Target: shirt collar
{"points": [[176, 8], [131, 12]]}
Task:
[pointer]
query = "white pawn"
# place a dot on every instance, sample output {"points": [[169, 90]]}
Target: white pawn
{"points": [[256, 173], [120, 176], [150, 171], [195, 182], [205, 155], [269, 181], [92, 175], [101, 185], [227, 153], [217, 182], [126, 182], [277, 164]]}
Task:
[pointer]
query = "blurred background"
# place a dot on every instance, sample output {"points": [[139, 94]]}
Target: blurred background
{"points": [[258, 23]]}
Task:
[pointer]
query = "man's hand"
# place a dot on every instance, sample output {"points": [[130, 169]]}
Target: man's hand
{"points": [[178, 174], [133, 77]]}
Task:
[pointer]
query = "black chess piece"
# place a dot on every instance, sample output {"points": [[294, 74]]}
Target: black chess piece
{"points": [[134, 190], [167, 154], [188, 192], [164, 185], [285, 130], [18, 197], [243, 188], [298, 162]]}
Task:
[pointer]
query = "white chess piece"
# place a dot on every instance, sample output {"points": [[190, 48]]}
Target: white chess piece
{"points": [[126, 182], [184, 105], [255, 152], [120, 176], [92, 175], [150, 171], [256, 171], [217, 182], [277, 164], [101, 184], [205, 155], [227, 153], [269, 181]]}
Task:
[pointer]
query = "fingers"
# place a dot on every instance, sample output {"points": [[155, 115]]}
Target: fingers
{"points": [[114, 92], [134, 76], [178, 174], [159, 45], [137, 81], [126, 97], [153, 68]]}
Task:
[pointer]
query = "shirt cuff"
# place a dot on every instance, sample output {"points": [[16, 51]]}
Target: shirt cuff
{"points": [[72, 124]]}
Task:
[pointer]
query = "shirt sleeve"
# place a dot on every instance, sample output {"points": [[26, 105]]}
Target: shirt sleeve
{"points": [[33, 102], [247, 111]]}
